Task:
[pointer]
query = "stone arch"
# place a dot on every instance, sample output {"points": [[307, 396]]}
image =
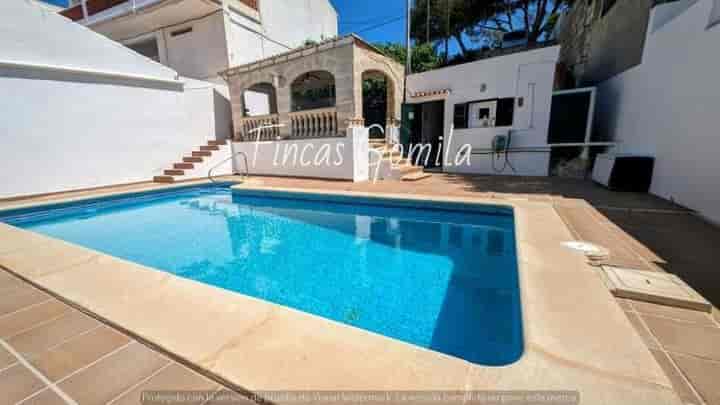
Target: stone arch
{"points": [[312, 90], [260, 99], [372, 81]]}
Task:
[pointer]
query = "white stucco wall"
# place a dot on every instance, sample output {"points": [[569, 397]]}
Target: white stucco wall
{"points": [[281, 25], [513, 75], [64, 129], [348, 157], [668, 107], [201, 53]]}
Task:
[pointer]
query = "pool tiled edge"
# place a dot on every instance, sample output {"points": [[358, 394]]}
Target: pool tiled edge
{"points": [[577, 338]]}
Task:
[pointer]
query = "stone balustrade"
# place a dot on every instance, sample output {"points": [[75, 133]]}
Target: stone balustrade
{"points": [[318, 123], [248, 124]]}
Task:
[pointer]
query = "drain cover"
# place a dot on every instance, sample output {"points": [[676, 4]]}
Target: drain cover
{"points": [[592, 251], [654, 286]]}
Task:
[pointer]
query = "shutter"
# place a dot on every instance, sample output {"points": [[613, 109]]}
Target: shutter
{"points": [[505, 112], [460, 116]]}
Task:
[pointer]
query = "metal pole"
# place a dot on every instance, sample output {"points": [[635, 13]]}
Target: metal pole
{"points": [[408, 60], [427, 23], [84, 9]]}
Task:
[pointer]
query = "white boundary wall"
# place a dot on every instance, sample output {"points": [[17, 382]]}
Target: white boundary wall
{"points": [[527, 74], [80, 111], [668, 107], [343, 158]]}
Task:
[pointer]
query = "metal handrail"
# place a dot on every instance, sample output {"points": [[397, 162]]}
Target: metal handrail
{"points": [[247, 167], [244, 155]]}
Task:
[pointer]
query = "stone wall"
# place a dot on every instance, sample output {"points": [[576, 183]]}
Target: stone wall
{"points": [[345, 58], [597, 47]]}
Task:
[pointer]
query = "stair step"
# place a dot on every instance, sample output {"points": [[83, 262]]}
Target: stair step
{"points": [[164, 179], [174, 172], [192, 159], [415, 176], [209, 147], [220, 142], [201, 153], [183, 166]]}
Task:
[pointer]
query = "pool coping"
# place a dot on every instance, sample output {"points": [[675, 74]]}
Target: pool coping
{"points": [[271, 347]]}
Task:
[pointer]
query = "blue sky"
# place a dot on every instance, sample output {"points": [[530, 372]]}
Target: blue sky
{"points": [[62, 3], [362, 15]]}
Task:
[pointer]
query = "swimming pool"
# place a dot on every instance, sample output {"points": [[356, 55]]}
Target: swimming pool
{"points": [[443, 277]]}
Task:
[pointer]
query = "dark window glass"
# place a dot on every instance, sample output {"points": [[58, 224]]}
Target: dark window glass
{"points": [[505, 112], [460, 116]]}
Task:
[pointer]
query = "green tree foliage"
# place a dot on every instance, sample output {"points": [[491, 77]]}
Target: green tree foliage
{"points": [[424, 57], [482, 20]]}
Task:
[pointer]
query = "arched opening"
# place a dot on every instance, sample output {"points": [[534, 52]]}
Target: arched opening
{"points": [[313, 90], [377, 101], [260, 99]]}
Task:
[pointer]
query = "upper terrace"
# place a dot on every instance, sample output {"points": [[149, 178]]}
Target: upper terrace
{"points": [[162, 12]]}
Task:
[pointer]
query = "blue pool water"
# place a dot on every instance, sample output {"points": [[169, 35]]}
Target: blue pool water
{"points": [[444, 278]]}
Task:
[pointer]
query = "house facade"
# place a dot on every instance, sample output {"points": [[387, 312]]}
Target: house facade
{"points": [[479, 103], [199, 38]]}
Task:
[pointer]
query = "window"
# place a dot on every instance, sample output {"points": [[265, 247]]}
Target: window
{"points": [[460, 116], [485, 113], [148, 48], [181, 32]]}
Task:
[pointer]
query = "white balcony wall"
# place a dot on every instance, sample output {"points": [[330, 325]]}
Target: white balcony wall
{"points": [[668, 107], [344, 158], [71, 126]]}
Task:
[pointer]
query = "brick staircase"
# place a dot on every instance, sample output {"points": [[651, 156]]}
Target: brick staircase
{"points": [[394, 167], [190, 164]]}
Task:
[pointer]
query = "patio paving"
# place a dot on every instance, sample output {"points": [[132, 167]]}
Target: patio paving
{"points": [[643, 232], [51, 353]]}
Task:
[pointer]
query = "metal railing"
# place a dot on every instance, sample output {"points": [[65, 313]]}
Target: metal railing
{"points": [[243, 154]]}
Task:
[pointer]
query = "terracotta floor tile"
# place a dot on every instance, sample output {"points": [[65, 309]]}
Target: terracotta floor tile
{"points": [[679, 384], [46, 397], [703, 374], [642, 330], [682, 314], [173, 378], [52, 333], [78, 352], [6, 358], [118, 372], [18, 383], [17, 322], [684, 337], [20, 298]]}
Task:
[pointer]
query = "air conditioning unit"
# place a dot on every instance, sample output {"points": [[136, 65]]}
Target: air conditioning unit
{"points": [[624, 172]]}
